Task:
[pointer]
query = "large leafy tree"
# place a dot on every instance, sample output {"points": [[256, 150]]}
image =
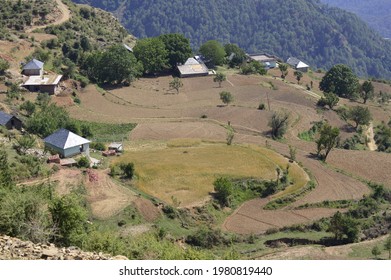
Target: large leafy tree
{"points": [[344, 226], [328, 139], [177, 47], [367, 91], [340, 80], [360, 115], [236, 56], [213, 53], [152, 53], [47, 120], [114, 65], [279, 124]]}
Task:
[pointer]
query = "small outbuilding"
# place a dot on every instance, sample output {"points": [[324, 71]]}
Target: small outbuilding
{"points": [[117, 147], [10, 121], [33, 68], [67, 143], [297, 64]]}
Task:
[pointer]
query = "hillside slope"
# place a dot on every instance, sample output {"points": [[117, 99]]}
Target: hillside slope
{"points": [[320, 35], [375, 12]]}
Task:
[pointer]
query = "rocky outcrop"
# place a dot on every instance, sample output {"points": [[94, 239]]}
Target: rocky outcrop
{"points": [[15, 249]]}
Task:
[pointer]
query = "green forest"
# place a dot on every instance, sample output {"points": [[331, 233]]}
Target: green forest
{"points": [[320, 35], [375, 12]]}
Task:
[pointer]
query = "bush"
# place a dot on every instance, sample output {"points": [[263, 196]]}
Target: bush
{"points": [[127, 169], [206, 238], [83, 162], [261, 106], [98, 146]]}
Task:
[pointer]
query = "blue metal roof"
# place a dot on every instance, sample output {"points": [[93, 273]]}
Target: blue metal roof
{"points": [[33, 64], [4, 118]]}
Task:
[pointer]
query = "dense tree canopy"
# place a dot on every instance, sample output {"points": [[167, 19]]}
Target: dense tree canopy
{"points": [[152, 53], [213, 53], [319, 35], [112, 66], [340, 80], [328, 139], [177, 47]]}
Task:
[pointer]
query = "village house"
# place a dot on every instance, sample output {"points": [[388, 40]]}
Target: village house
{"points": [[297, 64], [193, 67], [67, 143], [10, 121], [33, 68], [269, 61], [45, 83]]}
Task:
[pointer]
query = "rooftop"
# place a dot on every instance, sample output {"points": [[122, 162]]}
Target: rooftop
{"points": [[4, 118], [193, 66], [43, 80], [262, 57], [65, 139], [33, 64]]}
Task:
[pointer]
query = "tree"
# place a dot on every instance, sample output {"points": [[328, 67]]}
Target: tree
{"points": [[387, 246], [298, 75], [253, 67], [24, 143], [383, 138], [219, 78], [279, 124], [213, 53], [328, 139], [330, 99], [177, 47], [152, 53], [28, 106], [69, 218], [340, 80], [226, 97], [284, 69], [5, 172], [127, 169], [367, 91], [344, 225], [4, 65], [47, 120], [236, 56], [113, 66], [376, 251], [176, 84], [224, 189], [360, 115]]}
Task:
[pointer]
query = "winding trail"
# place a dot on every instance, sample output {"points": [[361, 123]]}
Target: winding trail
{"points": [[65, 16], [371, 138]]}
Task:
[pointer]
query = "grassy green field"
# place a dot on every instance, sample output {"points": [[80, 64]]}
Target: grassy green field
{"points": [[108, 132], [187, 173]]}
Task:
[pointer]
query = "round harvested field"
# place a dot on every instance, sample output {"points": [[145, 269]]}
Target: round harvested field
{"points": [[186, 173]]}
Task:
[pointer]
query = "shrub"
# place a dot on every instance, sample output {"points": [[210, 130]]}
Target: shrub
{"points": [[261, 106], [83, 162], [98, 146], [127, 169]]}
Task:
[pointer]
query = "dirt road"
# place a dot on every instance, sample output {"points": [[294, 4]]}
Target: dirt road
{"points": [[65, 16]]}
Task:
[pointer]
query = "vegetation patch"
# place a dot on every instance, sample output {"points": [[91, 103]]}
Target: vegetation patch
{"points": [[107, 132]]}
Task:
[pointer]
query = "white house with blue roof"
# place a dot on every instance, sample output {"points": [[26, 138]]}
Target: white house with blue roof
{"points": [[67, 143]]}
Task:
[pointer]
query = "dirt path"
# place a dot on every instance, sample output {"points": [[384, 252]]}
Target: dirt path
{"points": [[371, 138], [65, 16]]}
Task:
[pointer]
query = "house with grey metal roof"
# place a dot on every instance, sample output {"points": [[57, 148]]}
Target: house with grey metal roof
{"points": [[33, 68], [10, 121], [67, 143], [298, 64], [193, 67]]}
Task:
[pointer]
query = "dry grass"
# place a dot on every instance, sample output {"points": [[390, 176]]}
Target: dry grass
{"points": [[188, 173]]}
